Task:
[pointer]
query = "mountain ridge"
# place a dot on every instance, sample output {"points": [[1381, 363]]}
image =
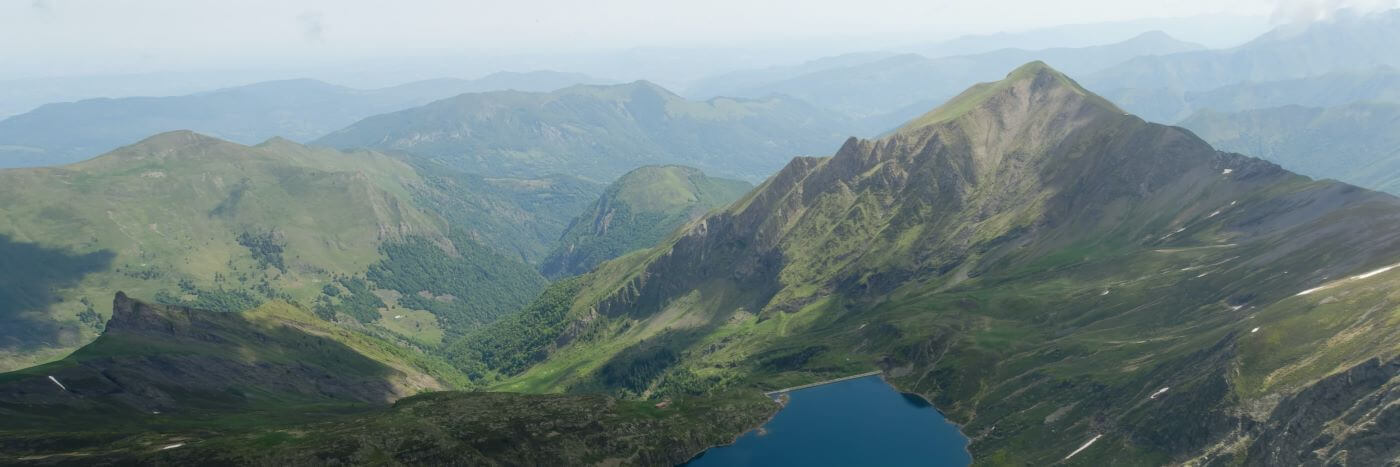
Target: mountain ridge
{"points": [[1039, 254], [1154, 85], [885, 93], [298, 109]]}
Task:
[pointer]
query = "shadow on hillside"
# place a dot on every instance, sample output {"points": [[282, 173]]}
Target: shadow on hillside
{"points": [[181, 361], [30, 277]]}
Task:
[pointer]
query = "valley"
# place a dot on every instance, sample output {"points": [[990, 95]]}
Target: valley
{"points": [[1147, 241]]}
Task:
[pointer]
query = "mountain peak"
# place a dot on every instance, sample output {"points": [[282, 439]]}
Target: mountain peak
{"points": [[171, 142], [178, 143], [1035, 83]]}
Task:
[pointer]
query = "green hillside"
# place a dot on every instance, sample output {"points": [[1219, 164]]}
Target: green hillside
{"points": [[1083, 274], [172, 385], [600, 132], [188, 219], [635, 212], [1357, 143]]}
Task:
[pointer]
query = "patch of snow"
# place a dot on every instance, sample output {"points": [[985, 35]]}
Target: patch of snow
{"points": [[398, 316], [1085, 446], [1252, 331], [1104, 293], [1202, 274], [1378, 271], [1213, 214], [173, 446], [1237, 308], [1226, 171], [1367, 275], [1158, 393], [1314, 289], [60, 385]]}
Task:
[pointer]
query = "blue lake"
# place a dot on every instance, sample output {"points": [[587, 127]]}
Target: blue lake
{"points": [[856, 422]]}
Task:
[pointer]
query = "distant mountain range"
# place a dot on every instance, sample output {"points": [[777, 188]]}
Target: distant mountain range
{"points": [[889, 91], [1153, 85], [600, 132], [1331, 89], [301, 110], [739, 83]]}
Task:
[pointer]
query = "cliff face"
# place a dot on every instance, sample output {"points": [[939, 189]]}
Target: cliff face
{"points": [[160, 358], [1349, 418]]}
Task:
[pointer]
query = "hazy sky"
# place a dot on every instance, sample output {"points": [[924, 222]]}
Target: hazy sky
{"points": [[46, 37]]}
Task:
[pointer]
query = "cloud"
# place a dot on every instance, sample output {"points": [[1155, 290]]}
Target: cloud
{"points": [[313, 26], [1307, 11]]}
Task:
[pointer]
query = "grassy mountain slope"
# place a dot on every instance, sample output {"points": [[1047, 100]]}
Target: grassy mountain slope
{"points": [[62, 133], [635, 212], [1043, 267], [276, 384], [172, 360], [599, 132], [898, 88], [1357, 143], [188, 219]]}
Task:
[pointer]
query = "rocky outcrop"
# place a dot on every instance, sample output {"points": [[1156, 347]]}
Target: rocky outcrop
{"points": [[1349, 418]]}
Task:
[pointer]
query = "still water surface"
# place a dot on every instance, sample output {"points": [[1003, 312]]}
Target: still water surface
{"points": [[856, 422]]}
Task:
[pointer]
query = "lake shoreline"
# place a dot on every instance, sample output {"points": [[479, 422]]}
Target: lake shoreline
{"points": [[866, 419], [740, 435], [967, 447]]}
